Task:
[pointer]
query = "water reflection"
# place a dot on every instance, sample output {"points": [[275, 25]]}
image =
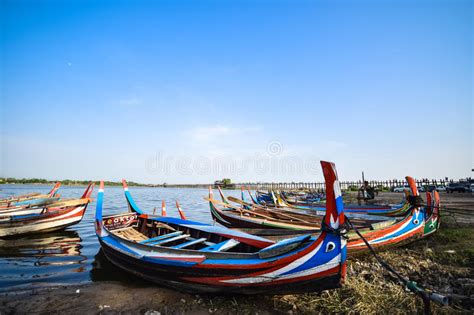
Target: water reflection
{"points": [[73, 256], [104, 270], [40, 258], [61, 243]]}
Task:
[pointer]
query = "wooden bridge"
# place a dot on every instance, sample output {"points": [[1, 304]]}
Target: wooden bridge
{"points": [[346, 185]]}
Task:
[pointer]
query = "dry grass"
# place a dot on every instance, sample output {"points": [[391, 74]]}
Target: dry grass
{"points": [[369, 289]]}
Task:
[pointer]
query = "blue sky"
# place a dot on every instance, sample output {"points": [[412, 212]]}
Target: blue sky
{"points": [[192, 91]]}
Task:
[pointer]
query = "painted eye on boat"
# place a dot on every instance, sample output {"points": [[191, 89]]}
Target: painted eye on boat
{"points": [[330, 246], [416, 221]]}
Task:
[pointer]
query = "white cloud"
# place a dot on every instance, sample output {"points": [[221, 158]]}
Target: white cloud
{"points": [[204, 134], [132, 101]]}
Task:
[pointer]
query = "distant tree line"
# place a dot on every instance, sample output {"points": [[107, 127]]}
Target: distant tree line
{"points": [[66, 182]]}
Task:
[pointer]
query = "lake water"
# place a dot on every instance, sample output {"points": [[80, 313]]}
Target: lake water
{"points": [[72, 256]]}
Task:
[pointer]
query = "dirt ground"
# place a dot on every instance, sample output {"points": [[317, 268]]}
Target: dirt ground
{"points": [[443, 262]]}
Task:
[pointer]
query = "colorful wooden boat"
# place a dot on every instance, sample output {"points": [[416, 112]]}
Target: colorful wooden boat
{"points": [[246, 215], [52, 217], [197, 257], [304, 198], [295, 198], [279, 201], [420, 222], [30, 200], [30, 208]]}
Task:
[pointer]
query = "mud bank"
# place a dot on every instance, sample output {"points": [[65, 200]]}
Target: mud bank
{"points": [[443, 262]]}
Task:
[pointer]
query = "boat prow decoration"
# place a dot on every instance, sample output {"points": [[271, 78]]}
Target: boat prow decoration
{"points": [[180, 211], [433, 213], [88, 192], [254, 201], [163, 208], [412, 183], [55, 189], [223, 197], [132, 206]]}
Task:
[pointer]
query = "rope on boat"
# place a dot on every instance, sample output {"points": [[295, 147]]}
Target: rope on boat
{"points": [[415, 201], [449, 209], [426, 296], [450, 212], [456, 210]]}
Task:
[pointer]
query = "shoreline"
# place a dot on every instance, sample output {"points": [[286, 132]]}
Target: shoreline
{"points": [[442, 262], [116, 184]]}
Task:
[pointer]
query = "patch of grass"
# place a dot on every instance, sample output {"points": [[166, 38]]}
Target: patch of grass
{"points": [[452, 245], [371, 289]]}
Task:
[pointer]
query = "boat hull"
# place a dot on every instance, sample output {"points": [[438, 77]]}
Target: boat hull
{"points": [[44, 223], [20, 211], [173, 277]]}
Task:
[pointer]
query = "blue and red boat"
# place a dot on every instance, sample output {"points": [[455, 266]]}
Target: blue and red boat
{"points": [[198, 257], [277, 200]]}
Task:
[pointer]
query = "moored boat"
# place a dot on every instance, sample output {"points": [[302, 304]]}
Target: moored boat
{"points": [[198, 257], [420, 222], [29, 200], [246, 215], [52, 217], [277, 199]]}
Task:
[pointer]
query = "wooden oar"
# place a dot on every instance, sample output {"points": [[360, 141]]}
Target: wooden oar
{"points": [[281, 223], [279, 212], [259, 214], [29, 195], [24, 198], [42, 204], [237, 208], [26, 206], [70, 203], [265, 208]]}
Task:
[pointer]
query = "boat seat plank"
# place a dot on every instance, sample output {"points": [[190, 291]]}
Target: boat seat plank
{"points": [[190, 243], [168, 240], [131, 234], [161, 237], [221, 247]]}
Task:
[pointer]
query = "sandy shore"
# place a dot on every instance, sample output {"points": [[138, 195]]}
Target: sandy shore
{"points": [[103, 297]]}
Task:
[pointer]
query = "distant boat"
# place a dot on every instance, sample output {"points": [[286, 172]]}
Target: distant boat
{"points": [[417, 223], [30, 199], [52, 217]]}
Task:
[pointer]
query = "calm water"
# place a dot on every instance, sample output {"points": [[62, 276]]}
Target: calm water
{"points": [[73, 255]]}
